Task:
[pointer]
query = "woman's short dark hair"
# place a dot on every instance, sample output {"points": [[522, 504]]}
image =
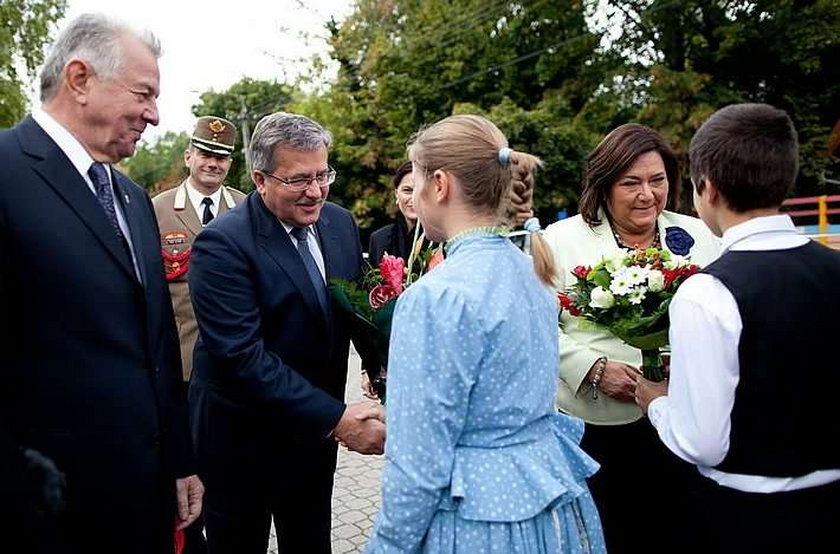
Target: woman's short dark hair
{"points": [[613, 156], [751, 154], [401, 172]]}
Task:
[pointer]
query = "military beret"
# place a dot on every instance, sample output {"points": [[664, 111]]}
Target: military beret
{"points": [[214, 134]]}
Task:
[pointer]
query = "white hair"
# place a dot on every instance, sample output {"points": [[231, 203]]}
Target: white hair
{"points": [[95, 39]]}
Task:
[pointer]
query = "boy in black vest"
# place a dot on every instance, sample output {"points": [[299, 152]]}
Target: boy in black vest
{"points": [[753, 369]]}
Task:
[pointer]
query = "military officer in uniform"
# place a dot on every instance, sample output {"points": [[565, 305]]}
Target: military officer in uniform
{"points": [[182, 212]]}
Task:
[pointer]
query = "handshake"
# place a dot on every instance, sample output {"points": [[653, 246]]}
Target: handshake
{"points": [[362, 428]]}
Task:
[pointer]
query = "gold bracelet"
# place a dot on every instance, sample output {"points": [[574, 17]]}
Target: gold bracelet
{"points": [[599, 372]]}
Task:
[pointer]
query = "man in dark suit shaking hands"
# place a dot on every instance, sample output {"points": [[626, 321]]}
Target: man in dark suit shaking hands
{"points": [[90, 364], [270, 363]]}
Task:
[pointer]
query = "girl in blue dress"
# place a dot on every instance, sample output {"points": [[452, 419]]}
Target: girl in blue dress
{"points": [[477, 459]]}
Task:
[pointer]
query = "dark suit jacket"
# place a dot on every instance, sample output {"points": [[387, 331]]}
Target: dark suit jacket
{"points": [[393, 238], [264, 342], [91, 369]]}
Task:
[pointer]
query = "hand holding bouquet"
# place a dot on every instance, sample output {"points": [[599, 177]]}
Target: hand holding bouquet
{"points": [[629, 296]]}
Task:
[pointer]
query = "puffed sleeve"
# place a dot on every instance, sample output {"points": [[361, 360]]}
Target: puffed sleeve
{"points": [[436, 345]]}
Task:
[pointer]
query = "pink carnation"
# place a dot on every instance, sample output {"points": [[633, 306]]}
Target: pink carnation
{"points": [[392, 269]]}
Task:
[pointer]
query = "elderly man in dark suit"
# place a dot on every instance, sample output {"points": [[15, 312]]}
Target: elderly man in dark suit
{"points": [[91, 370], [270, 363]]}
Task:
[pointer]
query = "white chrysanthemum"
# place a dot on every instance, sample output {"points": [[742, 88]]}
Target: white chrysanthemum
{"points": [[616, 262], [636, 295], [620, 284], [637, 275], [601, 298], [655, 280]]}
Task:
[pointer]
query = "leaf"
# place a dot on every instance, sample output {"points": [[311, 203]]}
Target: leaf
{"points": [[25, 28], [600, 277], [350, 298], [382, 318], [650, 341]]}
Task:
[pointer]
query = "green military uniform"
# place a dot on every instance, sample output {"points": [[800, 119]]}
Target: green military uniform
{"points": [[179, 225]]}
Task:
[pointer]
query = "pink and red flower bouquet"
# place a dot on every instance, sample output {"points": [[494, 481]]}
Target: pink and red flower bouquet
{"points": [[629, 296], [370, 305]]}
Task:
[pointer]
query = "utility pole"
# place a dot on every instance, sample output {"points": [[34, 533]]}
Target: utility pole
{"points": [[243, 123]]}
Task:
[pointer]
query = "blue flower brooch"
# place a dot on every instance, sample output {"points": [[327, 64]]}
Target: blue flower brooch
{"points": [[678, 240]]}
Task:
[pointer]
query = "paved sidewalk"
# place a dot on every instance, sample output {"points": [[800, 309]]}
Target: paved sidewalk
{"points": [[356, 493]]}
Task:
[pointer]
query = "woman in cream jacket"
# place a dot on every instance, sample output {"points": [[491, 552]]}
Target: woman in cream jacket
{"points": [[630, 177]]}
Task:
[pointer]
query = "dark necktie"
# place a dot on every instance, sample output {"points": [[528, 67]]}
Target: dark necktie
{"points": [[104, 193], [300, 234], [208, 214]]}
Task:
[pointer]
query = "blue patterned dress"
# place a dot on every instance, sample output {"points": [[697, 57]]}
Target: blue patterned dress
{"points": [[477, 459]]}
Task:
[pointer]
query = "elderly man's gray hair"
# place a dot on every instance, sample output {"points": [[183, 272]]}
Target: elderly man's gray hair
{"points": [[95, 39], [296, 132]]}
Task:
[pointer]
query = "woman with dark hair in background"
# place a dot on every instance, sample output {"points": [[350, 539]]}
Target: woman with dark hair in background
{"points": [[396, 238]]}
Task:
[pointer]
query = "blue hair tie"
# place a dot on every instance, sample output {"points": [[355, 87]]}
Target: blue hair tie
{"points": [[504, 156], [532, 225]]}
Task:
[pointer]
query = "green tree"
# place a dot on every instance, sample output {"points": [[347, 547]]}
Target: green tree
{"points": [[245, 103], [531, 65], [24, 29], [694, 56], [159, 165], [563, 144]]}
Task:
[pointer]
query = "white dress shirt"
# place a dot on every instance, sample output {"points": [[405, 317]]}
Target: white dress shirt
{"points": [[314, 247], [82, 161], [197, 197], [693, 420]]}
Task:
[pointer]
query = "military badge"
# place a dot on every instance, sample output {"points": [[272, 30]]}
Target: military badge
{"points": [[173, 239], [216, 126]]}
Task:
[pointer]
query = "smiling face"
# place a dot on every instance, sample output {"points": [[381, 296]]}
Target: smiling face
{"points": [[639, 195], [118, 108], [207, 170], [405, 202], [297, 208]]}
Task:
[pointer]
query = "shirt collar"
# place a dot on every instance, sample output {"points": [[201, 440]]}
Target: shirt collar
{"points": [[68, 144], [196, 196], [288, 228], [758, 227]]}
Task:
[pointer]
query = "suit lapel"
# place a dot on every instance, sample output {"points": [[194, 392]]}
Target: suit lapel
{"points": [[187, 214], [226, 201], [273, 238], [330, 244], [57, 171]]}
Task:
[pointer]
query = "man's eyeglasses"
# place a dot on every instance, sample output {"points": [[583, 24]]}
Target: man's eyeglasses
{"points": [[322, 178]]}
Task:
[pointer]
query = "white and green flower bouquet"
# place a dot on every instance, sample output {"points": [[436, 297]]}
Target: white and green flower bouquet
{"points": [[629, 296]]}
